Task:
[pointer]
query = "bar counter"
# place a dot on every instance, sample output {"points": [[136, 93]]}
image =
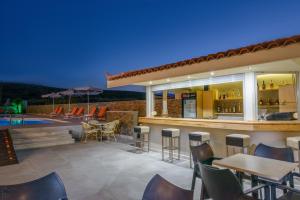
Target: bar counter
{"points": [[288, 126], [273, 133]]}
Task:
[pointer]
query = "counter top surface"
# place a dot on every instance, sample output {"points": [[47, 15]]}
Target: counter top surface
{"points": [[256, 125]]}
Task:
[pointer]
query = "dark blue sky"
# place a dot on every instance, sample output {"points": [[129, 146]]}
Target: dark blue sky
{"points": [[73, 43]]}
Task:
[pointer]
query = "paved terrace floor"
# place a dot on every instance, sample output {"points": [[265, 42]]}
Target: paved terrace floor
{"points": [[102, 171]]}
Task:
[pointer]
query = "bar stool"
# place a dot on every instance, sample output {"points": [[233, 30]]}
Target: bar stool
{"points": [[294, 143], [198, 138], [237, 140], [142, 135], [171, 134]]}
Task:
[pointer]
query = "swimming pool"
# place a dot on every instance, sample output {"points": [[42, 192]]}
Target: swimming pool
{"points": [[17, 122]]}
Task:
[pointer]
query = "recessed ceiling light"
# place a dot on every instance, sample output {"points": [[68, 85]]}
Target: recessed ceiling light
{"points": [[189, 77], [168, 80], [249, 68], [212, 73], [150, 82]]}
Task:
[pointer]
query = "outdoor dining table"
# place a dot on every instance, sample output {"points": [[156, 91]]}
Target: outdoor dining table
{"points": [[271, 171]]}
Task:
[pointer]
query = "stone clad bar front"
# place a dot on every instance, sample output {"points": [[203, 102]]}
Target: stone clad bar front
{"points": [[252, 90]]}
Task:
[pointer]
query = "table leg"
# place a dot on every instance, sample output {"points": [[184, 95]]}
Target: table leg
{"points": [[273, 192], [240, 178], [254, 182], [267, 193]]}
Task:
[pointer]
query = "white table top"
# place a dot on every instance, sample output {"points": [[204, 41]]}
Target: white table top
{"points": [[270, 169]]}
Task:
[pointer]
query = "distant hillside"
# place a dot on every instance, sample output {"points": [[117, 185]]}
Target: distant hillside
{"points": [[32, 93]]}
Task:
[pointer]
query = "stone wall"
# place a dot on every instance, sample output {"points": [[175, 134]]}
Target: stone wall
{"points": [[128, 120], [174, 107]]}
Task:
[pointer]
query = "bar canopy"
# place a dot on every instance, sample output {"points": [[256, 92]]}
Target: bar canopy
{"points": [[276, 55]]}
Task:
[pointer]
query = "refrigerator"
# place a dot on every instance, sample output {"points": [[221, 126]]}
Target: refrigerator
{"points": [[189, 104]]}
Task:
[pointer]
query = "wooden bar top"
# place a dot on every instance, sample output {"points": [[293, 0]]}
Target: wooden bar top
{"points": [[286, 126]]}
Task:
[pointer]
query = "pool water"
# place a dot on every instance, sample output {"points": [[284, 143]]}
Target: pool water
{"points": [[5, 122]]}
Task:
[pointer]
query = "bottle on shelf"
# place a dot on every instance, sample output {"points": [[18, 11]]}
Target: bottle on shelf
{"points": [[239, 108], [271, 85], [263, 85], [233, 108], [261, 102], [218, 108]]}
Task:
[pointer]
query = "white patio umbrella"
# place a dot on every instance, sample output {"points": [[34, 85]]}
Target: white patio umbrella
{"points": [[88, 91], [70, 93], [52, 95]]}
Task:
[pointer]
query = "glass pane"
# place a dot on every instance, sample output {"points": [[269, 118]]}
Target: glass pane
{"points": [[276, 96]]}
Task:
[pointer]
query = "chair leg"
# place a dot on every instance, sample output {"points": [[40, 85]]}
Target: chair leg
{"points": [[178, 148], [193, 180], [203, 193], [291, 181], [86, 136], [162, 147]]}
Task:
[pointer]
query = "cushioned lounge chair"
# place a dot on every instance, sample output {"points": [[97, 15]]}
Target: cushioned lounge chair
{"points": [[102, 113], [72, 113]]}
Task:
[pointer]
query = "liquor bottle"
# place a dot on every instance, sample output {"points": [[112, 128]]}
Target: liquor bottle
{"points": [[263, 85], [271, 85], [233, 108], [218, 108]]}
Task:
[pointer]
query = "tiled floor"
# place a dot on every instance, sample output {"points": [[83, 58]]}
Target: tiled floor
{"points": [[106, 171]]}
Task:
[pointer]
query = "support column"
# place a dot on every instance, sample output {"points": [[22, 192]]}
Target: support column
{"points": [[298, 95], [165, 103], [250, 96], [149, 101]]}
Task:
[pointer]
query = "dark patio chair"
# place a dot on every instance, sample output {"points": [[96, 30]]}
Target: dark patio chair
{"points": [[222, 184], [292, 194], [201, 154], [160, 189], [49, 187], [283, 154]]}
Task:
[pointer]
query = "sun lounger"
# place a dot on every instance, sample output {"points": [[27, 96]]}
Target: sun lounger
{"points": [[79, 113], [60, 111], [55, 111], [92, 113], [72, 113], [102, 113]]}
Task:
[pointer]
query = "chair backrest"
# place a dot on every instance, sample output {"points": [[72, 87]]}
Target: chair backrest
{"points": [[47, 188], [284, 154], [80, 111], [111, 126], [86, 127], [74, 110], [56, 109], [102, 111], [93, 110], [220, 184], [201, 152], [60, 110], [160, 189]]}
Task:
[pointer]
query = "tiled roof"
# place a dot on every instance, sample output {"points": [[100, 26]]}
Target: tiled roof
{"points": [[229, 53]]}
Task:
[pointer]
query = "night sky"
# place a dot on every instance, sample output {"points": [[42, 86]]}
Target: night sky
{"points": [[73, 43]]}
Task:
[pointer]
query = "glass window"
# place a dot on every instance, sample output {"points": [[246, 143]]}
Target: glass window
{"points": [[216, 101], [276, 96]]}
